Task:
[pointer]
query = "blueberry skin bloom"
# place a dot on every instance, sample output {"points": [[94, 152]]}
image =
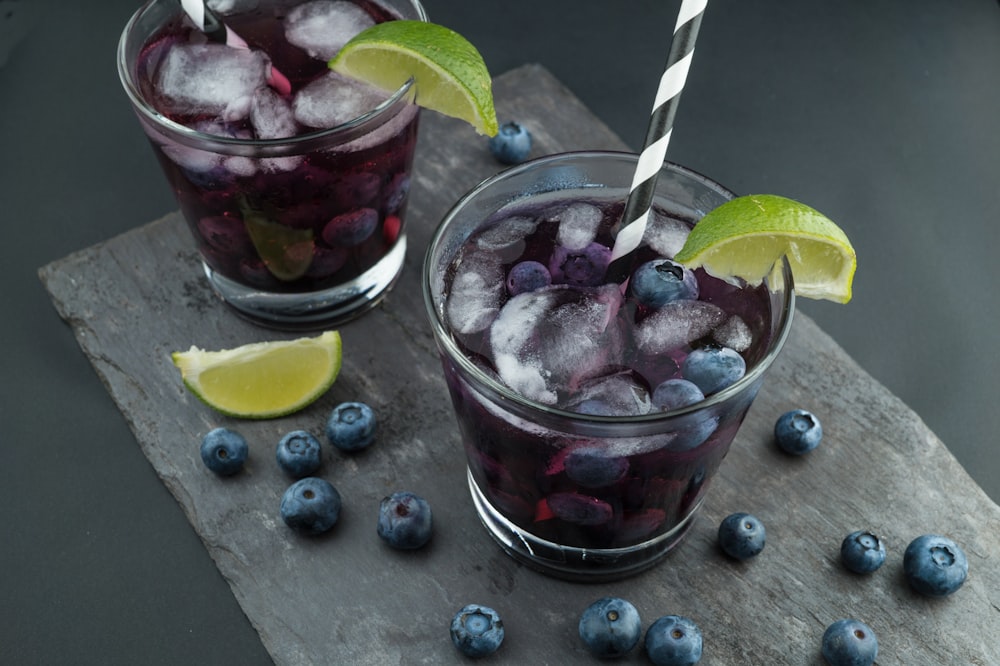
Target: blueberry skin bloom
{"points": [[610, 627], [935, 565], [298, 454], [224, 451], [849, 643], [673, 640], [742, 536], [797, 432], [713, 368], [660, 281], [310, 506], [351, 426], [862, 552], [477, 631], [512, 144], [404, 520]]}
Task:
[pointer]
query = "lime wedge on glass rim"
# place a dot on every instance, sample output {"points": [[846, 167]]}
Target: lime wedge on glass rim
{"points": [[746, 236], [262, 380], [449, 74]]}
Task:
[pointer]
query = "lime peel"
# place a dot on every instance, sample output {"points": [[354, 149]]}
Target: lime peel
{"points": [[448, 72], [262, 380], [745, 237]]}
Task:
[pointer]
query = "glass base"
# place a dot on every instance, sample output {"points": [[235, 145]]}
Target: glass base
{"points": [[571, 563], [315, 309]]}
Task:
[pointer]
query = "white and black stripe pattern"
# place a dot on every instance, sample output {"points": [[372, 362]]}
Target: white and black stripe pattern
{"points": [[632, 226]]}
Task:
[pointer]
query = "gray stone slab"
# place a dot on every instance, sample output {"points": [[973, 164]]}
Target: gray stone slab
{"points": [[345, 598]]}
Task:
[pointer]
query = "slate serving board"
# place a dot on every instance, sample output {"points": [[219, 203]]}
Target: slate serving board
{"points": [[345, 598]]}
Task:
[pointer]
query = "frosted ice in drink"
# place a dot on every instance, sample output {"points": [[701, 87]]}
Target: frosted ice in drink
{"points": [[279, 205], [581, 460]]}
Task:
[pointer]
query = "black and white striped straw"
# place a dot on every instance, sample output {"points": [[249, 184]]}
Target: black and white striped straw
{"points": [[632, 226]]}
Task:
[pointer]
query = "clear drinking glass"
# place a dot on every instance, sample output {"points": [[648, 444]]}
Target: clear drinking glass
{"points": [[583, 495], [294, 232]]}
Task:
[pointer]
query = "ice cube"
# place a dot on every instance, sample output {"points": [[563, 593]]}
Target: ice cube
{"points": [[476, 292], [618, 394], [665, 234], [734, 333], [271, 116], [550, 341], [506, 232], [321, 28], [677, 324], [210, 79], [578, 225], [334, 99]]}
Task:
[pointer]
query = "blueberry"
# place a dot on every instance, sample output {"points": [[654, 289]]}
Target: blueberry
{"points": [[610, 627], [527, 276], [224, 451], [713, 368], [512, 144], [580, 268], [935, 565], [298, 454], [592, 467], [477, 631], [742, 536], [797, 432], [862, 552], [676, 393], [658, 282], [310, 505], [351, 426], [351, 228], [404, 520], [673, 640], [849, 643]]}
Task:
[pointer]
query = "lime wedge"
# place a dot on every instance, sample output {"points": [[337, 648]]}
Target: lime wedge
{"points": [[262, 380], [744, 238], [287, 252], [449, 74]]}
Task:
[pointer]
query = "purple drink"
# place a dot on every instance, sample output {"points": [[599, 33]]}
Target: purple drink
{"points": [[296, 199], [578, 463]]}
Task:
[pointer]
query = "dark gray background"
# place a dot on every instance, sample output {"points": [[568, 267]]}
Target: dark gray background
{"points": [[881, 114]]}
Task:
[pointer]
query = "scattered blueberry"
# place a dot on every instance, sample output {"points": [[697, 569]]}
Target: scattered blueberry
{"points": [[310, 505], [673, 640], [477, 631], [849, 643], [610, 627], [404, 520], [351, 426], [935, 565], [512, 144], [580, 268], [658, 282], [862, 552], [224, 451], [797, 432], [527, 276], [298, 454], [713, 368], [742, 536]]}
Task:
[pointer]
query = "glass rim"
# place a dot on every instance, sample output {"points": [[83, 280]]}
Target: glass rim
{"points": [[445, 339], [401, 96]]}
